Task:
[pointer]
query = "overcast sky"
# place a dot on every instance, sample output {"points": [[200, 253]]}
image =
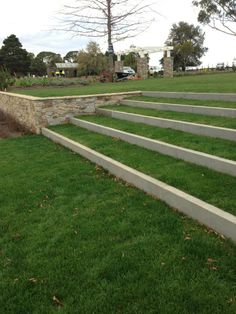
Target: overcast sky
{"points": [[32, 22]]}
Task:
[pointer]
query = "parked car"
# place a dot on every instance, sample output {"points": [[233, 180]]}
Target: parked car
{"points": [[128, 70], [220, 66]]}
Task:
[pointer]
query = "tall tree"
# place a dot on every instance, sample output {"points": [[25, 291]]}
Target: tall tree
{"points": [[71, 56], [218, 14], [91, 61], [49, 57], [38, 67], [16, 59], [114, 19], [187, 41]]}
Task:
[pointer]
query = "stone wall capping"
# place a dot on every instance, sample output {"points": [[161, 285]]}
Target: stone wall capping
{"points": [[20, 96], [222, 222]]}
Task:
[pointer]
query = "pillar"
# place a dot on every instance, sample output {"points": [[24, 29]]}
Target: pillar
{"points": [[168, 67], [119, 66], [142, 68]]}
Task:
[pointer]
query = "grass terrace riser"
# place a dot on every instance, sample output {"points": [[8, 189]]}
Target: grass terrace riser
{"points": [[224, 122], [189, 95], [211, 216], [213, 111], [182, 101], [198, 181], [218, 147], [228, 134], [209, 161]]}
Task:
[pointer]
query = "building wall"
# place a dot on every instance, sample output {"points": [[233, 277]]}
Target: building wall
{"points": [[34, 113]]}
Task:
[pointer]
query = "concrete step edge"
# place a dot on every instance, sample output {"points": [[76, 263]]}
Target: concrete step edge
{"points": [[194, 128], [216, 163], [204, 110], [209, 215]]}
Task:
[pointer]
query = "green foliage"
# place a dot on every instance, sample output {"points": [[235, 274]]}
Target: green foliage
{"points": [[71, 56], [218, 14], [131, 60], [14, 57], [38, 67], [188, 41], [91, 61], [48, 81], [50, 58], [6, 79]]}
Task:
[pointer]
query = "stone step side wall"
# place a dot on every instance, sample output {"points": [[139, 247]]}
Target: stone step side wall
{"points": [[34, 113]]}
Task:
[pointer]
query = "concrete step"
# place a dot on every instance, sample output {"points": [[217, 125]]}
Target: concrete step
{"points": [[204, 110], [212, 162], [211, 216], [190, 95], [194, 128]]}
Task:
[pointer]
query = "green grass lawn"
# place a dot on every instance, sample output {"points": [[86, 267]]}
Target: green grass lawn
{"points": [[195, 180], [188, 117], [182, 101], [209, 145], [77, 240], [205, 83]]}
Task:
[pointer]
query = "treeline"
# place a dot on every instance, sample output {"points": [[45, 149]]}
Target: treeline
{"points": [[19, 62]]}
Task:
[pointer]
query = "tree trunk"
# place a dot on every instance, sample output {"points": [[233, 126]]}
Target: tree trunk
{"points": [[110, 45]]}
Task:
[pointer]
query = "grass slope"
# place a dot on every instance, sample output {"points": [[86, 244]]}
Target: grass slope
{"points": [[210, 186], [209, 145], [218, 83], [72, 235], [188, 117]]}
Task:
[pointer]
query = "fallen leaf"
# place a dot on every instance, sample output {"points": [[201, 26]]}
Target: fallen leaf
{"points": [[33, 280], [214, 268], [57, 301], [211, 260]]}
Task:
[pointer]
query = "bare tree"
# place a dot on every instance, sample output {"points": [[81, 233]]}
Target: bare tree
{"points": [[114, 19]]}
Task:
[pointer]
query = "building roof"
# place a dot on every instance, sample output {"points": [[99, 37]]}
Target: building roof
{"points": [[67, 65]]}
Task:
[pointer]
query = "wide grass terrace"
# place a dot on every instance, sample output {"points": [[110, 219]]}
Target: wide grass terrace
{"points": [[183, 101], [213, 146], [195, 180], [75, 239], [217, 83], [181, 116]]}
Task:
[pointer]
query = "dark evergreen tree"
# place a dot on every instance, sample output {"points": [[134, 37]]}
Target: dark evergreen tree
{"points": [[14, 57]]}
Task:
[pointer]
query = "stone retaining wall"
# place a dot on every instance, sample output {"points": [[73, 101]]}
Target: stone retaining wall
{"points": [[33, 113]]}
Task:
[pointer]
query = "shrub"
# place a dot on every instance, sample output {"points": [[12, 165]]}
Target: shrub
{"points": [[49, 81], [6, 79]]}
